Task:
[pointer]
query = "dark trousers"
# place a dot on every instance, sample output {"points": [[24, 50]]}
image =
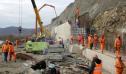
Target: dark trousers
{"points": [[63, 45], [91, 45], [10, 56], [5, 56]]}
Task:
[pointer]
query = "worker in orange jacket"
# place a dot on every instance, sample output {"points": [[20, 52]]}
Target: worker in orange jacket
{"points": [[90, 41], [95, 40], [5, 49], [117, 45], [102, 43], [11, 52], [98, 67], [89, 38], [82, 40], [119, 65], [79, 39]]}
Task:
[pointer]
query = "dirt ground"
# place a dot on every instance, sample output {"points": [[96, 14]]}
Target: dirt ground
{"points": [[69, 64]]}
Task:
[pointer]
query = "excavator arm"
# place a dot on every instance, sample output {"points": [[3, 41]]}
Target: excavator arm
{"points": [[38, 16]]}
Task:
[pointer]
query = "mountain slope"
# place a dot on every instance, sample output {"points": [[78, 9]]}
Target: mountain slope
{"points": [[14, 31]]}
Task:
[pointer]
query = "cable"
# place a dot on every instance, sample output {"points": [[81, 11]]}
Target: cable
{"points": [[19, 31], [20, 17], [20, 13]]}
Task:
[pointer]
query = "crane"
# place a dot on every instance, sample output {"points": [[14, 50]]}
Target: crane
{"points": [[47, 32], [39, 44], [38, 17]]}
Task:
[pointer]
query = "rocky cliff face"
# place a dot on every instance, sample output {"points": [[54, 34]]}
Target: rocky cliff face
{"points": [[112, 20], [93, 7], [113, 23], [107, 16]]}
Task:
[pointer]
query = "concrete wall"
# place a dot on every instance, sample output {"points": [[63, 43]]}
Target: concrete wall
{"points": [[63, 31], [108, 61]]}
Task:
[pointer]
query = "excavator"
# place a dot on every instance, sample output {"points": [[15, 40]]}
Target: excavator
{"points": [[38, 44]]}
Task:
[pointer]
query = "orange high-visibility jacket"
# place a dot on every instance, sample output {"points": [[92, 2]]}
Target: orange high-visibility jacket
{"points": [[117, 43], [95, 39], [98, 69], [81, 39], [11, 48], [102, 43], [4, 48], [89, 38], [119, 66]]}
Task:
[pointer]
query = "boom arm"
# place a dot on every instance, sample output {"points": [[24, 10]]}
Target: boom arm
{"points": [[49, 6], [38, 16], [46, 31]]}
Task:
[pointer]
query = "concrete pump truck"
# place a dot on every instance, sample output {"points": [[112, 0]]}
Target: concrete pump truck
{"points": [[37, 44]]}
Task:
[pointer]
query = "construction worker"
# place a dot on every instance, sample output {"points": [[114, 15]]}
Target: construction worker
{"points": [[5, 49], [80, 39], [98, 67], [61, 42], [117, 45], [11, 52], [95, 68], [90, 41], [95, 41], [119, 65], [102, 43], [91, 69], [89, 37]]}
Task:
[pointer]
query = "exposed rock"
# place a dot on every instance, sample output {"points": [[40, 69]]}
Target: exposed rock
{"points": [[92, 7], [112, 22], [111, 19]]}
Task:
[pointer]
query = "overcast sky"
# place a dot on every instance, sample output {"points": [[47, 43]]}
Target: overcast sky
{"points": [[9, 12]]}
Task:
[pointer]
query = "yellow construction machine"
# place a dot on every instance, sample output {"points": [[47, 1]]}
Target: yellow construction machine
{"points": [[46, 31], [39, 43]]}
